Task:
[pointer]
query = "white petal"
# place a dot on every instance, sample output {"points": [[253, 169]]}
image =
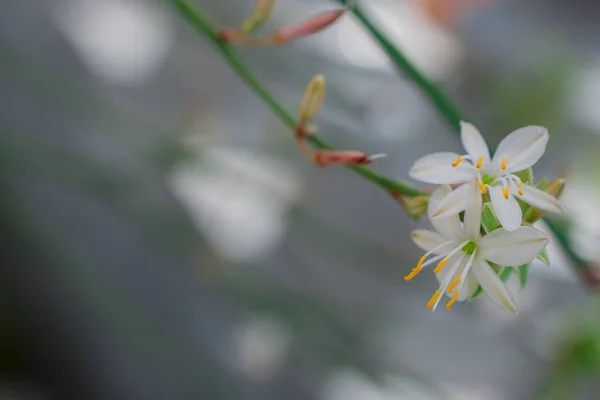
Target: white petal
{"points": [[451, 267], [448, 226], [512, 249], [447, 275], [508, 211], [428, 240], [472, 220], [466, 290], [437, 168], [493, 285], [473, 142], [473, 285], [522, 148], [540, 199], [464, 294], [455, 202]]}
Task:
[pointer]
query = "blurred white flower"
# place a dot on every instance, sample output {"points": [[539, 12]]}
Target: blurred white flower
{"points": [[124, 42], [516, 152], [239, 199], [463, 247]]}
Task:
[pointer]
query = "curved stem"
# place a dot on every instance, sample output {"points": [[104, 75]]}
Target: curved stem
{"points": [[206, 28], [405, 67]]}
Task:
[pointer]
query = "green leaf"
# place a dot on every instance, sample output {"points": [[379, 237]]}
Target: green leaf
{"points": [[488, 218], [523, 275], [544, 257], [525, 175], [542, 184], [504, 275], [524, 206]]}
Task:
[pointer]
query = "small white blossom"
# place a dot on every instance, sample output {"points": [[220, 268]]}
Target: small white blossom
{"points": [[518, 151], [467, 253]]}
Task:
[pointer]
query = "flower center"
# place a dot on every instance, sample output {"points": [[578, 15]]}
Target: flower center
{"points": [[487, 180], [509, 182], [444, 258], [469, 248]]}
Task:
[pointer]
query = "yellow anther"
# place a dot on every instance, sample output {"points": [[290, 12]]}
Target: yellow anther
{"points": [[441, 265], [520, 192], [458, 161], [479, 162], [520, 184], [412, 274], [482, 188], [453, 284], [433, 299], [416, 269], [505, 191], [504, 162], [452, 300]]}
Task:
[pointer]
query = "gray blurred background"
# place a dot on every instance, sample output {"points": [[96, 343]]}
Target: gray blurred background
{"points": [[164, 239]]}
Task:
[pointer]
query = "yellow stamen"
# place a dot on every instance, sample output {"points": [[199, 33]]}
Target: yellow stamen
{"points": [[452, 300], [482, 188], [453, 284], [520, 184], [479, 162], [458, 161], [505, 191], [441, 265], [416, 269], [520, 192], [433, 299], [412, 274], [504, 162]]}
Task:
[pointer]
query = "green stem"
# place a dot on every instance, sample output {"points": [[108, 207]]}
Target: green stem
{"points": [[453, 117], [405, 67], [206, 28]]}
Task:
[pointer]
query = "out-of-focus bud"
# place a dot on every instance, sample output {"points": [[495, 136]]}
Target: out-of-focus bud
{"points": [[229, 35], [416, 206], [263, 9], [283, 35], [307, 27], [554, 188], [323, 158], [313, 97]]}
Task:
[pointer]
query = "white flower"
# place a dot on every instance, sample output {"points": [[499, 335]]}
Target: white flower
{"points": [[467, 253], [518, 151]]}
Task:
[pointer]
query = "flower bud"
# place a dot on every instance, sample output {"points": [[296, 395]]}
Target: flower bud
{"points": [[414, 206], [312, 98], [323, 158], [262, 12], [554, 188], [307, 27]]}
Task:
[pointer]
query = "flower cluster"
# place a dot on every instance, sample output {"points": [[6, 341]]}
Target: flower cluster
{"points": [[471, 253]]}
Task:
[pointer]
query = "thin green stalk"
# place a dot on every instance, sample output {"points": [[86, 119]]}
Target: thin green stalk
{"points": [[405, 67], [206, 28], [453, 117]]}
